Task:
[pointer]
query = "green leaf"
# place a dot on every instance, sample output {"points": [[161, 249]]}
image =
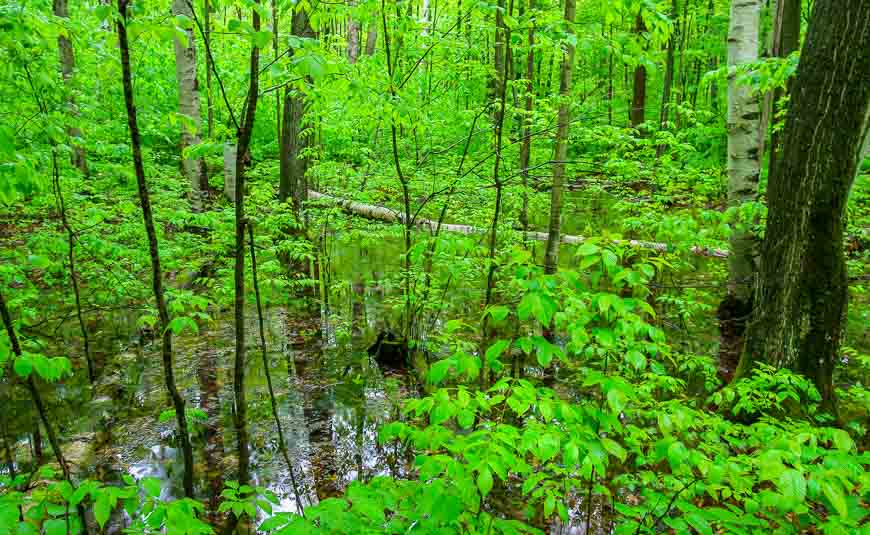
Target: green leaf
{"points": [[588, 249], [636, 359], [102, 509], [498, 312], [23, 367], [834, 493], [614, 448], [484, 481], [152, 486], [842, 440], [438, 371], [793, 485], [494, 351]]}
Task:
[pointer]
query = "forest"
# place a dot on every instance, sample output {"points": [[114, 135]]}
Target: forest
{"points": [[434, 266]]}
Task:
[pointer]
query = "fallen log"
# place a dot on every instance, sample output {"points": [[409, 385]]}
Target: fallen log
{"points": [[387, 215]]}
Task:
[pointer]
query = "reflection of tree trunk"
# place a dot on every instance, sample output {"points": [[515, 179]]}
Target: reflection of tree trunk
{"points": [[4, 433], [209, 402], [319, 410], [36, 440]]}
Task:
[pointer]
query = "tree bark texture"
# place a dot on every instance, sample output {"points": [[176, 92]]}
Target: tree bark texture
{"points": [[353, 31], [786, 39], [156, 270], [801, 298], [744, 167], [188, 104], [372, 38], [67, 69], [551, 263], [294, 164]]}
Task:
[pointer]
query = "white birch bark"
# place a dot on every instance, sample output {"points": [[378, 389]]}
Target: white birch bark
{"points": [[188, 104], [743, 140]]}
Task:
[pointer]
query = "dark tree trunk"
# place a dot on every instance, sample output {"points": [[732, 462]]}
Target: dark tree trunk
{"points": [[293, 162], [787, 41], [638, 100], [801, 298], [156, 271], [669, 74]]}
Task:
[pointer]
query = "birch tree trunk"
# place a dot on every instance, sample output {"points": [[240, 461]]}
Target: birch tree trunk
{"points": [[67, 68], [188, 104], [561, 151], [743, 172], [801, 297]]}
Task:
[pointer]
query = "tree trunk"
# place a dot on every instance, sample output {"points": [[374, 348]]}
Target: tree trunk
{"points": [[371, 38], [294, 164], [638, 100], [208, 68], [243, 143], [67, 68], [669, 74], [743, 173], [526, 146], [156, 271], [353, 30], [551, 264], [786, 40], [801, 298], [188, 104]]}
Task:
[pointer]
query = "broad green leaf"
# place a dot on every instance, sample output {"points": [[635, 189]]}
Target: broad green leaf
{"points": [[484, 481]]}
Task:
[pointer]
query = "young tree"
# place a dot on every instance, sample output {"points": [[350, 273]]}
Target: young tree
{"points": [[188, 103], [744, 167], [561, 150], [801, 296], [243, 142], [156, 270]]}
